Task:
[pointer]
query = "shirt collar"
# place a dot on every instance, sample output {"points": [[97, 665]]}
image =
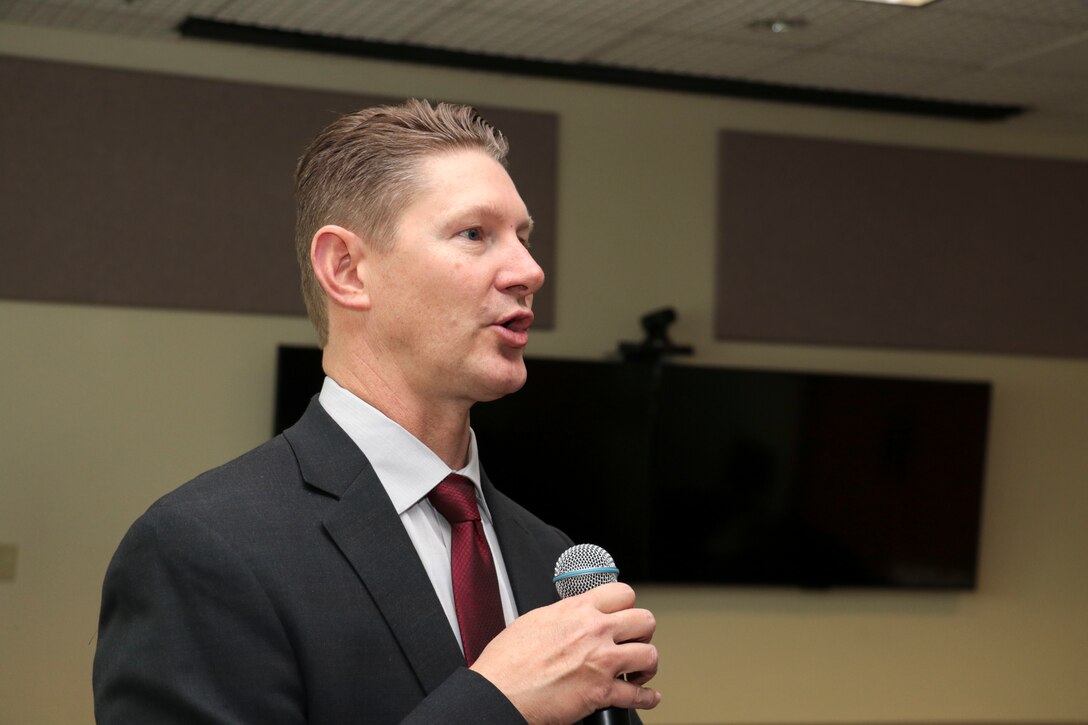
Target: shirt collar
{"points": [[407, 468]]}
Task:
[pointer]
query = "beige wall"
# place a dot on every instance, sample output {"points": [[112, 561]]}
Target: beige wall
{"points": [[104, 409]]}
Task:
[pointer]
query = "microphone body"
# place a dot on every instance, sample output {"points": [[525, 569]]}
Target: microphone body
{"points": [[579, 569], [609, 716]]}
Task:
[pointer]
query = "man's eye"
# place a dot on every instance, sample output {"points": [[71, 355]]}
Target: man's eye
{"points": [[475, 234]]}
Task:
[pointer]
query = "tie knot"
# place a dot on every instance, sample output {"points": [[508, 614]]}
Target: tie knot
{"points": [[455, 499]]}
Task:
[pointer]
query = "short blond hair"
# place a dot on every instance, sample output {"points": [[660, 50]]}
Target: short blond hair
{"points": [[362, 170]]}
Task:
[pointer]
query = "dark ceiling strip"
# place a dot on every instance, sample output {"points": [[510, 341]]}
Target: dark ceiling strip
{"points": [[208, 29]]}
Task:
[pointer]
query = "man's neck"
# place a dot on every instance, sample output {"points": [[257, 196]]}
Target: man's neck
{"points": [[442, 426]]}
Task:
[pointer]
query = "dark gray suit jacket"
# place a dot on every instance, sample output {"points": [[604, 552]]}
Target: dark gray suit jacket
{"points": [[282, 588]]}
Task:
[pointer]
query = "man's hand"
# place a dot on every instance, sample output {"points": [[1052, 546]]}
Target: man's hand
{"points": [[559, 663]]}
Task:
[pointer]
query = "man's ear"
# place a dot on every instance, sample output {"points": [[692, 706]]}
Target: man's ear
{"points": [[338, 256]]}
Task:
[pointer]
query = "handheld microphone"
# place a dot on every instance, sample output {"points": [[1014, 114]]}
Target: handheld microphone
{"points": [[580, 568]]}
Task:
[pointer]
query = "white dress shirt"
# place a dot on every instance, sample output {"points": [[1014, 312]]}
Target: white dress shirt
{"points": [[408, 470]]}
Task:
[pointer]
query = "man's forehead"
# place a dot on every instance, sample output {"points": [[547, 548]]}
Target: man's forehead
{"points": [[471, 181]]}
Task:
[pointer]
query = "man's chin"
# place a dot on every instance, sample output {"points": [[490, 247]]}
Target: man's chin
{"points": [[498, 385]]}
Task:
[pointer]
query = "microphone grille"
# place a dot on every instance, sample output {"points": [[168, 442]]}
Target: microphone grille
{"points": [[583, 567]]}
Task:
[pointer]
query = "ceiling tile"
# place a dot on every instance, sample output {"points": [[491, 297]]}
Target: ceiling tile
{"points": [[493, 34], [826, 70], [24, 12], [1069, 59], [1068, 12], [1026, 52], [626, 14], [827, 20], [85, 16], [953, 38], [364, 19], [698, 56]]}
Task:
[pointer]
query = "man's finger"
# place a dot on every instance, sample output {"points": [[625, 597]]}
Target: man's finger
{"points": [[633, 625], [609, 598], [630, 696], [637, 661]]}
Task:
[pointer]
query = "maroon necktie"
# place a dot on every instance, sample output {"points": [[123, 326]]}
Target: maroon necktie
{"points": [[475, 585]]}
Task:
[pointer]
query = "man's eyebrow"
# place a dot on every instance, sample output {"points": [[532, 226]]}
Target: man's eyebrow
{"points": [[526, 227], [493, 210]]}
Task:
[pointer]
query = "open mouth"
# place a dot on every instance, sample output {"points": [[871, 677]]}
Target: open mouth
{"points": [[518, 323]]}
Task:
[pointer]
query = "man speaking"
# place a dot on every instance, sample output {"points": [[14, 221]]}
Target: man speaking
{"points": [[360, 568]]}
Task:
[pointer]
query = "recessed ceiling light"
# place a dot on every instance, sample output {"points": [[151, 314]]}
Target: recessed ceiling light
{"points": [[778, 25], [908, 3]]}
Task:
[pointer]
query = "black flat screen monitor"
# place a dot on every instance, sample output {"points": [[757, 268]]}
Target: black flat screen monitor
{"points": [[706, 475]]}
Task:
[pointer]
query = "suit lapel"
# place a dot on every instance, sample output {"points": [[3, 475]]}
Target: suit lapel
{"points": [[367, 530], [528, 566]]}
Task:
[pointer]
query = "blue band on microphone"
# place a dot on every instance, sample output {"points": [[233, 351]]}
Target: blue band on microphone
{"points": [[583, 572]]}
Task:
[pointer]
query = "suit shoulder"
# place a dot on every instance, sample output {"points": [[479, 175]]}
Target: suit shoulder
{"points": [[268, 466], [250, 498]]}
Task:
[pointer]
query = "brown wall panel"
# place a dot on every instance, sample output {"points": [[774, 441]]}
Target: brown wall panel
{"points": [[861, 244], [142, 189]]}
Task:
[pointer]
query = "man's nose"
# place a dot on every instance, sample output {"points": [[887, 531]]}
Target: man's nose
{"points": [[522, 274]]}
